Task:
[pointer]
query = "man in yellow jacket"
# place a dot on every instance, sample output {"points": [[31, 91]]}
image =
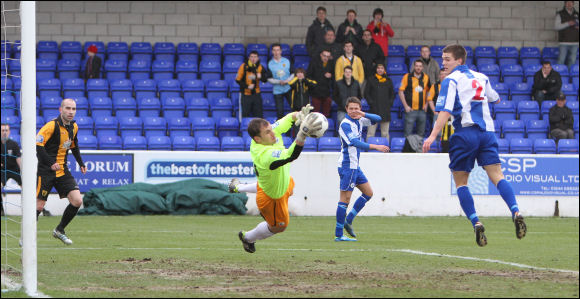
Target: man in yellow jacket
{"points": [[349, 59]]}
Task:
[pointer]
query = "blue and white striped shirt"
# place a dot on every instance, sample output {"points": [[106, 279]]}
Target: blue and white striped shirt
{"points": [[350, 132]]}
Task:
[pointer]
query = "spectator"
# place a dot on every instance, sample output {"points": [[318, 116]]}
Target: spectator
{"points": [[249, 76], [413, 95], [331, 45], [321, 70], [316, 31], [432, 98], [381, 31], [370, 53], [380, 95], [93, 67], [547, 83], [561, 119], [301, 87], [279, 67], [349, 59], [350, 30], [567, 26], [345, 88], [430, 65]]}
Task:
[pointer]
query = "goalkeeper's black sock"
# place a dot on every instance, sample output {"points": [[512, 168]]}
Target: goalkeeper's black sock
{"points": [[38, 213], [69, 213]]}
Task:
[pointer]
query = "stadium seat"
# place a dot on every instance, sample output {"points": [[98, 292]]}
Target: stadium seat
{"points": [[568, 146], [13, 121], [397, 144], [299, 50], [529, 72], [573, 105], [235, 49], [203, 126], [115, 69], [49, 87], [50, 102], [330, 132], [71, 50], [97, 88], [193, 89], [121, 88], [504, 110], [563, 70], [85, 124], [544, 146], [248, 142], [164, 51], [168, 88], [570, 91], [145, 88], [530, 55], [210, 70], [154, 126], [528, 110], [377, 140], [216, 89], [187, 52], [139, 69], [513, 129], [8, 104], [503, 146], [396, 54], [173, 107], [262, 50], [87, 142], [268, 105], [106, 126], [7, 83], [396, 69], [574, 75], [101, 106], [186, 70], [183, 143], [82, 106], [545, 109], [45, 68], [244, 126], [47, 50], [197, 107], [159, 143], [134, 142], [492, 71], [163, 69], [521, 146], [232, 143], [210, 143], [286, 52], [576, 130], [130, 126], [68, 68], [550, 54], [520, 92], [227, 126], [149, 107], [329, 144], [502, 89], [141, 51], [310, 144], [396, 128], [210, 50], [178, 126], [512, 73], [537, 129], [73, 88], [221, 107], [484, 55], [118, 51], [507, 56]]}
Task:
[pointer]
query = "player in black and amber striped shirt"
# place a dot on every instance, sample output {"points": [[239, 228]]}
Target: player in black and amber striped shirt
{"points": [[53, 141]]}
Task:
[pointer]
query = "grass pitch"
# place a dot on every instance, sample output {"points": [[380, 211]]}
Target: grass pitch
{"points": [[201, 256]]}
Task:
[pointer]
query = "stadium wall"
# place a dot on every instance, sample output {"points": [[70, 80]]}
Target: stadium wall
{"points": [[472, 23]]}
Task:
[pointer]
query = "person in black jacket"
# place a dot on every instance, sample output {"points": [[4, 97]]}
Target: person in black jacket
{"points": [[345, 88], [336, 50], [93, 67], [321, 70], [547, 83], [316, 31], [350, 30], [301, 87], [561, 119], [380, 95], [370, 53]]}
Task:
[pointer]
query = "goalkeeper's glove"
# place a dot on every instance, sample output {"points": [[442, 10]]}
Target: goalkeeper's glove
{"points": [[310, 124], [302, 114]]}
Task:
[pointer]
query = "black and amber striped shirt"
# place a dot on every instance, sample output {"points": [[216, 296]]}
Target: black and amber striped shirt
{"points": [[56, 146]]}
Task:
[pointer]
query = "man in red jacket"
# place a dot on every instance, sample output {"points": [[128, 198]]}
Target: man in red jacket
{"points": [[381, 31]]}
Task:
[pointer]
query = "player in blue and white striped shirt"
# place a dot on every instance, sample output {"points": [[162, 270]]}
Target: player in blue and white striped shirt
{"points": [[465, 94], [351, 175]]}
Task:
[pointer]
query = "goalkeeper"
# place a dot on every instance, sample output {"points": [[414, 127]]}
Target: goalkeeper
{"points": [[272, 167]]}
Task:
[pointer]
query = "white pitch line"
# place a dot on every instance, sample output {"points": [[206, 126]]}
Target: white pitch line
{"points": [[410, 251]]}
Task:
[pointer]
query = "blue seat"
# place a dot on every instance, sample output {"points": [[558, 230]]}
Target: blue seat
{"points": [[186, 70], [154, 126], [68, 68], [134, 142], [244, 126], [9, 105], [570, 91], [168, 88], [149, 107], [544, 146], [50, 87], [397, 144], [545, 109], [210, 70], [85, 124], [183, 143], [287, 141], [178, 126], [139, 69], [97, 88], [173, 107], [124, 106], [521, 92], [413, 51], [262, 49], [145, 88], [397, 69], [7, 83], [203, 126], [502, 89], [187, 51], [13, 67], [299, 50], [507, 56], [227, 126], [529, 72], [492, 71], [210, 49], [268, 105], [73, 88], [329, 144], [47, 50], [310, 145], [286, 52], [159, 143], [396, 128], [197, 107], [563, 70], [45, 68], [221, 107], [530, 55], [101, 106], [513, 129], [141, 51], [377, 140], [551, 54], [50, 102], [232, 66], [574, 75], [130, 126], [485, 55], [216, 89], [521, 146], [71, 50], [193, 89], [210, 143], [106, 126], [528, 110], [232, 143], [573, 105], [121, 88], [512, 73], [13, 121], [163, 69], [87, 142], [234, 49], [504, 110], [115, 69], [537, 129], [248, 142], [164, 51], [568, 146], [503, 146], [110, 142], [331, 128], [82, 106], [117, 48]]}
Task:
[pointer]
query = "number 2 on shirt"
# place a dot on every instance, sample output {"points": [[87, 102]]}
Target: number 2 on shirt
{"points": [[475, 84]]}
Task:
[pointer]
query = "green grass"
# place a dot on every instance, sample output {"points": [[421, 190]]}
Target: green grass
{"points": [[201, 256]]}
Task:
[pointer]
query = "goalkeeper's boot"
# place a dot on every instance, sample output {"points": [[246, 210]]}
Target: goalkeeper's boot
{"points": [[479, 234], [61, 236], [344, 238], [349, 231], [249, 247], [521, 228], [233, 186]]}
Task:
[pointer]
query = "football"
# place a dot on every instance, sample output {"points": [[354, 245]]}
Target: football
{"points": [[318, 133]]}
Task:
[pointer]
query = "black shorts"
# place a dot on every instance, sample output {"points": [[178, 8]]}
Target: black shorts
{"points": [[63, 185]]}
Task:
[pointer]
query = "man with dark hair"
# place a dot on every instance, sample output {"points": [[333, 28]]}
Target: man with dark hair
{"points": [[380, 95], [249, 76], [321, 70], [330, 44], [547, 83], [279, 70], [566, 24], [346, 88], [413, 95], [465, 94], [430, 65], [316, 31], [350, 30], [370, 53], [381, 31], [561, 119]]}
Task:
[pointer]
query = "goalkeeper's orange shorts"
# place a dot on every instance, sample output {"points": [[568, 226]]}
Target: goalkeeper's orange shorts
{"points": [[275, 211]]}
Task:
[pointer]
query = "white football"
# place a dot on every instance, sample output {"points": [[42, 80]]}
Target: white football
{"points": [[318, 133]]}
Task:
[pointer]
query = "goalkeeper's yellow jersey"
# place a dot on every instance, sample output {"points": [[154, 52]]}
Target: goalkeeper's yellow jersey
{"points": [[273, 182]]}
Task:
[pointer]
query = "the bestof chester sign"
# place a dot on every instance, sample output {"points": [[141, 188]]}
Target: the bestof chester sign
{"points": [[103, 170], [199, 169]]}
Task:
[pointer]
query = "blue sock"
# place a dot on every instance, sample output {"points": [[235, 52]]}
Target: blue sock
{"points": [[507, 193], [466, 202], [358, 205], [340, 215]]}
